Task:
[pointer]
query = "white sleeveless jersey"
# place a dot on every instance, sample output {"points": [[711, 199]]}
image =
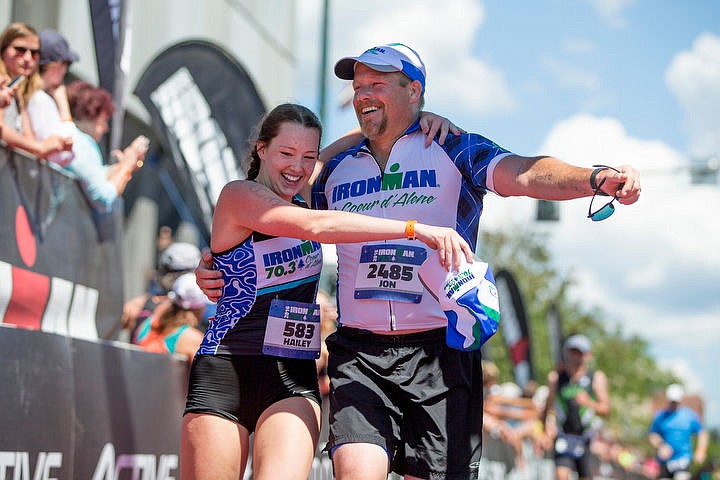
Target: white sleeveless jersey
{"points": [[438, 185]]}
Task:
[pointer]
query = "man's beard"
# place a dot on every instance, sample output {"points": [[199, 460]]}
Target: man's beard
{"points": [[371, 129]]}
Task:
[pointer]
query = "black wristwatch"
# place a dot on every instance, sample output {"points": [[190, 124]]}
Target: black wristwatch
{"points": [[593, 183]]}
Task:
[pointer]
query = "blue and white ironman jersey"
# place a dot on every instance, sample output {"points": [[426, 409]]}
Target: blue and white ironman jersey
{"points": [[438, 185], [256, 272]]}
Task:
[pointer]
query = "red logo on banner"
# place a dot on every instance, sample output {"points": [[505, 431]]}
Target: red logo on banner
{"points": [[29, 296], [24, 237]]}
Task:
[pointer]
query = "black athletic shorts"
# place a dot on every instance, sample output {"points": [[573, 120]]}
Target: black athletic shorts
{"points": [[241, 387], [410, 394], [580, 463]]}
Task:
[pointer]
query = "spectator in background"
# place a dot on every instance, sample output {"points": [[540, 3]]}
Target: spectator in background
{"points": [[577, 398], [91, 108], [175, 260], [175, 329], [19, 54], [494, 422], [48, 109], [671, 433]]}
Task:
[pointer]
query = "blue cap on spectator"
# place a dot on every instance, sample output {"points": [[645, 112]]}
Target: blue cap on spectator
{"points": [[578, 342], [393, 57], [54, 48]]}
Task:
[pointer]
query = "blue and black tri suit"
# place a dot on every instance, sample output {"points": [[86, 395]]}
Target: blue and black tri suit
{"points": [[230, 376]]}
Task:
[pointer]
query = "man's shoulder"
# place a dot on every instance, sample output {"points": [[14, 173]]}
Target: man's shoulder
{"points": [[471, 142]]}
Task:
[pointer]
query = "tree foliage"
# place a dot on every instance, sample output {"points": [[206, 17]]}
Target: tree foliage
{"points": [[633, 375]]}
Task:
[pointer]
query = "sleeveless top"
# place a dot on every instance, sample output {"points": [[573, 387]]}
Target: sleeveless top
{"points": [[257, 271], [571, 417], [153, 341]]}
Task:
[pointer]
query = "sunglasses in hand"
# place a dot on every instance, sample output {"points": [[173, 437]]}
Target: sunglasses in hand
{"points": [[608, 209]]}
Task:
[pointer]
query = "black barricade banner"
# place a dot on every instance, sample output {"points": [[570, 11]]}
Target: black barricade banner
{"points": [[204, 106], [102, 410], [60, 266], [82, 409], [514, 326]]}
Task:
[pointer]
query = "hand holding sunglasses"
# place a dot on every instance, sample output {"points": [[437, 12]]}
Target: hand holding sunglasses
{"points": [[608, 209]]}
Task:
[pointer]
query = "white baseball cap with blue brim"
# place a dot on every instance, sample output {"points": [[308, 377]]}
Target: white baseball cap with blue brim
{"points": [[469, 299], [393, 57]]}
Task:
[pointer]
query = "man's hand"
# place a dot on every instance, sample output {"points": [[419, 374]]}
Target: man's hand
{"points": [[625, 184], [210, 281]]}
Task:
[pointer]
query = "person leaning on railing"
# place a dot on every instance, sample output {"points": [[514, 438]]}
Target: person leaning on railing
{"points": [[91, 108], [19, 54]]}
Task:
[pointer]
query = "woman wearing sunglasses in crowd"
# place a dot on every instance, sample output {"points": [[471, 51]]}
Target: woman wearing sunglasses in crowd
{"points": [[19, 55], [251, 374]]}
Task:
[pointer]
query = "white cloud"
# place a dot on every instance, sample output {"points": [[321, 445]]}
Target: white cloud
{"points": [[456, 79], [653, 266], [694, 77], [682, 368], [568, 75], [612, 10], [579, 46]]}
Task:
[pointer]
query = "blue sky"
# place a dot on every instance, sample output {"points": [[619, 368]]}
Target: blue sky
{"points": [[588, 81]]}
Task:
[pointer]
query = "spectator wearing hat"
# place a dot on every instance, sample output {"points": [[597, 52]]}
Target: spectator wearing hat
{"points": [[175, 329], [48, 109], [19, 55], [671, 434], [174, 261], [577, 399]]}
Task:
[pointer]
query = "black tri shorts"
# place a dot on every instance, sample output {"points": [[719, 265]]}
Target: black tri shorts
{"points": [[240, 387], [412, 395]]}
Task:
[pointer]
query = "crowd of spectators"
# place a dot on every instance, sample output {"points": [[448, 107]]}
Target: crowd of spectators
{"points": [[514, 416], [61, 124]]}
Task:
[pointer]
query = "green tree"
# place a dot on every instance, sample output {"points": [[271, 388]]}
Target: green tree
{"points": [[633, 374]]}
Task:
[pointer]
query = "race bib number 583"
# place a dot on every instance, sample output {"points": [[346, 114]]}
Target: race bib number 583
{"points": [[293, 330]]}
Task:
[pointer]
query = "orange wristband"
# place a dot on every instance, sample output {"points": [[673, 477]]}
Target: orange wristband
{"points": [[410, 229]]}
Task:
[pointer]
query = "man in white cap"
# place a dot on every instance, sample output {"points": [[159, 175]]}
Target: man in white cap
{"points": [[671, 433], [423, 422], [402, 399], [578, 397]]}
